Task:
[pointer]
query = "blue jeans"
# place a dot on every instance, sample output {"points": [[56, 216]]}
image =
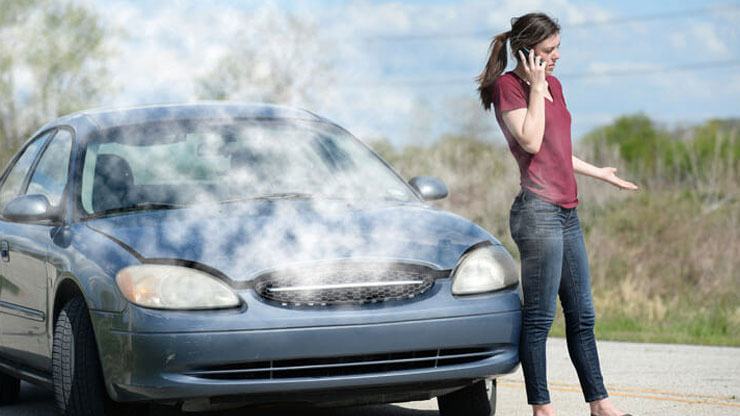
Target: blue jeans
{"points": [[554, 262]]}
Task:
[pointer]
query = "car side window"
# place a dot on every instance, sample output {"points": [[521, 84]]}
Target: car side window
{"points": [[50, 176], [12, 186]]}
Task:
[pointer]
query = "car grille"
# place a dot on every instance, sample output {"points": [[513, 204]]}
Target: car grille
{"points": [[344, 366], [353, 283]]}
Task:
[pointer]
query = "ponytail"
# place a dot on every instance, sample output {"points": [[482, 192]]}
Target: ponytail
{"points": [[495, 66]]}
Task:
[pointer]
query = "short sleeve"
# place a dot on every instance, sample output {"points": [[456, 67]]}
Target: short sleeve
{"points": [[508, 94]]}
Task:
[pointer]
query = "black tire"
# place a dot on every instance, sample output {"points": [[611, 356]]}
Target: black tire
{"points": [[9, 389], [478, 399], [76, 372]]}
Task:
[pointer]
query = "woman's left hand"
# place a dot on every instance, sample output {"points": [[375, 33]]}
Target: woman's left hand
{"points": [[609, 175]]}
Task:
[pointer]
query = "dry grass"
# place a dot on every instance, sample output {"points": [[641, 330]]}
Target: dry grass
{"points": [[664, 260]]}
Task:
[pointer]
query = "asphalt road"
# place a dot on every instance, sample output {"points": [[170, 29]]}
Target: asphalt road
{"points": [[644, 379]]}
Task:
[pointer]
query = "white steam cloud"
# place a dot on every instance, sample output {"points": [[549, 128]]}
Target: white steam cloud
{"points": [[250, 197]]}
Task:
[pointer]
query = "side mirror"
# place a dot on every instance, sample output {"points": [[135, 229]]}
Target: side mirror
{"points": [[430, 188], [29, 208]]}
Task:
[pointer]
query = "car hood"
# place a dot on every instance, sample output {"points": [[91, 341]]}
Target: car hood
{"points": [[243, 241]]}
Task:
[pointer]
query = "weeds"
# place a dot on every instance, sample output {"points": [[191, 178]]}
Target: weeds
{"points": [[664, 260]]}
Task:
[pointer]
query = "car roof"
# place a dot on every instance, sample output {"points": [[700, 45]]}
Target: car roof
{"points": [[103, 118]]}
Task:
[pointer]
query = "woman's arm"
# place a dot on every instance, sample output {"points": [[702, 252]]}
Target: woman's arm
{"points": [[606, 174], [527, 125]]}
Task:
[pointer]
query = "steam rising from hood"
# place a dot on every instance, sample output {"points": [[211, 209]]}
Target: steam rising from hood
{"points": [[244, 190], [243, 241]]}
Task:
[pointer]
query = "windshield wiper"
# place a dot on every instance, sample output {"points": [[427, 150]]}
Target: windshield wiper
{"points": [[142, 206]]}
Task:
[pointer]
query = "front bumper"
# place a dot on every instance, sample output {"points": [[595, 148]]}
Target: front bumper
{"points": [[265, 353]]}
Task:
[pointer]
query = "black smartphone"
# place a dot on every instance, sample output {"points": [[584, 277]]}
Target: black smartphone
{"points": [[525, 51]]}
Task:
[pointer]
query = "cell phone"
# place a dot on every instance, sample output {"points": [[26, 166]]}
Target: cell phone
{"points": [[525, 51]]}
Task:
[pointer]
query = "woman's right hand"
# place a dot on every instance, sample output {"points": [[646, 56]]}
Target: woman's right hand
{"points": [[609, 174], [534, 71]]}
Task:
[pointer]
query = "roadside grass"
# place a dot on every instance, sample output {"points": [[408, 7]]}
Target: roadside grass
{"points": [[664, 260], [664, 268], [715, 325]]}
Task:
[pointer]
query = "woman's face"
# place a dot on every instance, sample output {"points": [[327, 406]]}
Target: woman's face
{"points": [[547, 50]]}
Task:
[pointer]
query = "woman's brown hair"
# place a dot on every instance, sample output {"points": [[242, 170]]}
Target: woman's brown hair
{"points": [[527, 31]]}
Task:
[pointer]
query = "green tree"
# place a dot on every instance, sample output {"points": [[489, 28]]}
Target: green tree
{"points": [[705, 156], [53, 61], [716, 141], [640, 144]]}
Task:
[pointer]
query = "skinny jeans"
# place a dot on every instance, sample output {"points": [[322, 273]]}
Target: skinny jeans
{"points": [[554, 263]]}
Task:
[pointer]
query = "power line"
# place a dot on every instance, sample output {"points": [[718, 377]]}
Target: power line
{"points": [[657, 16], [592, 23], [693, 66]]}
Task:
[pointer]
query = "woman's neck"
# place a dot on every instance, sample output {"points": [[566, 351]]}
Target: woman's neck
{"points": [[519, 71]]}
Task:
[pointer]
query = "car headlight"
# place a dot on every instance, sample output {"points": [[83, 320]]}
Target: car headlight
{"points": [[174, 287], [484, 270]]}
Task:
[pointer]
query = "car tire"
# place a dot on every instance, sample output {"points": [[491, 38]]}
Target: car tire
{"points": [[478, 399], [76, 371], [9, 389]]}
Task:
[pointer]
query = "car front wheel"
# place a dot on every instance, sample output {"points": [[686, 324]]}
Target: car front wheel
{"points": [[478, 399], [76, 373]]}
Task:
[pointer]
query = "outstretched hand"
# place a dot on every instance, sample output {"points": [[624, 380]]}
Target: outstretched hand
{"points": [[610, 175]]}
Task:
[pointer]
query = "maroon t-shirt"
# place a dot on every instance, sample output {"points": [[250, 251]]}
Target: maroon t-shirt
{"points": [[549, 173]]}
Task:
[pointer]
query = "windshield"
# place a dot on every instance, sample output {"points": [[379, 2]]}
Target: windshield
{"points": [[156, 166]]}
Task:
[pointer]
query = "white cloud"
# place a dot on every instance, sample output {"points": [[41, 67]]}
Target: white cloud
{"points": [[171, 45], [166, 48], [707, 34], [390, 110], [580, 13], [603, 68]]}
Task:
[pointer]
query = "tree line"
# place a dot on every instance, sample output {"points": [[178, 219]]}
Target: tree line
{"points": [[56, 55]]}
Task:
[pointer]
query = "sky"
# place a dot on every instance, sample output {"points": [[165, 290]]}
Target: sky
{"points": [[404, 70]]}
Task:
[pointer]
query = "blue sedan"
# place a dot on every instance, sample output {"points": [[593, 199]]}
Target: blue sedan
{"points": [[211, 256]]}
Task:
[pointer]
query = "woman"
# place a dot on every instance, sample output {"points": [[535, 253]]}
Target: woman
{"points": [[532, 114]]}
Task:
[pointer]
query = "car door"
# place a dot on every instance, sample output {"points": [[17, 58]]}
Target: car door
{"points": [[12, 181], [24, 247]]}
